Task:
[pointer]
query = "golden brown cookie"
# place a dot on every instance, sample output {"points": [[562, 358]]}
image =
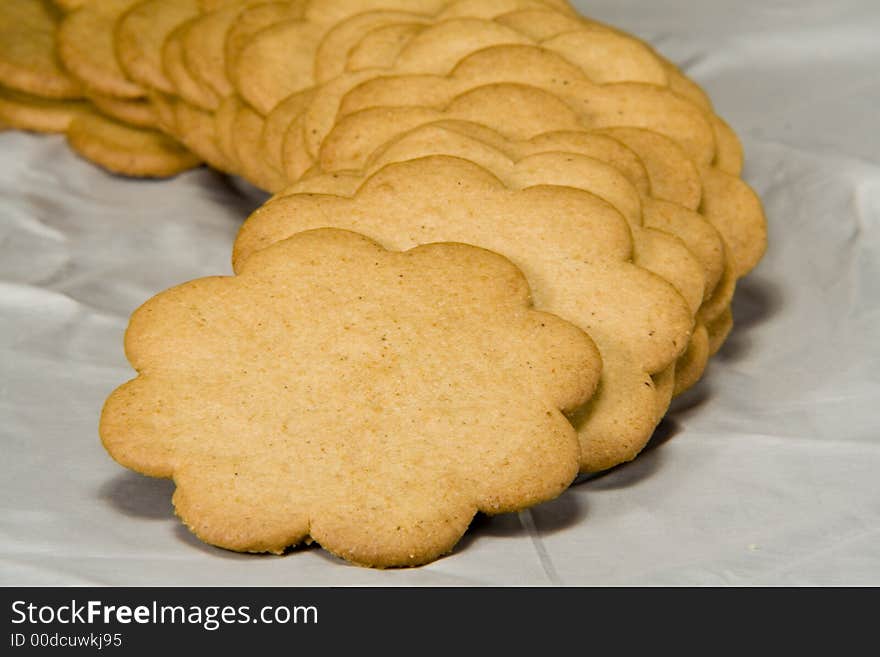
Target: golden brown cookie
{"points": [[278, 123], [29, 60], [369, 399], [26, 112], [251, 21], [186, 86], [141, 32], [247, 128], [331, 58], [138, 112], [197, 130], [224, 118], [87, 50], [205, 42], [127, 150], [734, 208]]}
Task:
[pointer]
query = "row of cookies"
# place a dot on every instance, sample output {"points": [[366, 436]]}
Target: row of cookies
{"points": [[514, 125], [213, 73], [472, 182], [184, 56], [513, 104], [35, 92], [41, 90], [204, 58]]}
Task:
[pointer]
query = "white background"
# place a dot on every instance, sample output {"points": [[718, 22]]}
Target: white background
{"points": [[766, 474]]}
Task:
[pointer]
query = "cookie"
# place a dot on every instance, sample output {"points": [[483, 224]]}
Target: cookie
{"points": [[729, 155], [197, 130], [306, 130], [715, 308], [246, 140], [126, 150], [277, 125], [253, 20], [371, 400], [381, 45], [224, 118], [674, 177], [86, 48], [331, 57], [140, 34], [204, 46], [138, 112], [26, 112], [239, 129], [575, 248], [734, 208], [719, 330], [186, 86], [163, 107], [29, 60], [276, 63]]}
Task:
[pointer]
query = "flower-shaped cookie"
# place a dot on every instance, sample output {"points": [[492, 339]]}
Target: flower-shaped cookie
{"points": [[372, 400]]}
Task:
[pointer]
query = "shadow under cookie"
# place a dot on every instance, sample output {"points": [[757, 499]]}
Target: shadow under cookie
{"points": [[629, 474], [138, 496], [757, 300]]}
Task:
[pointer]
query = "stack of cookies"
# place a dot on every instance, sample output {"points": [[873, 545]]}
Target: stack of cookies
{"points": [[36, 93], [502, 238], [58, 73]]}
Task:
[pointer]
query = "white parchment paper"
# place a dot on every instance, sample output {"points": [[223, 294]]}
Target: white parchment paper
{"points": [[766, 473]]}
